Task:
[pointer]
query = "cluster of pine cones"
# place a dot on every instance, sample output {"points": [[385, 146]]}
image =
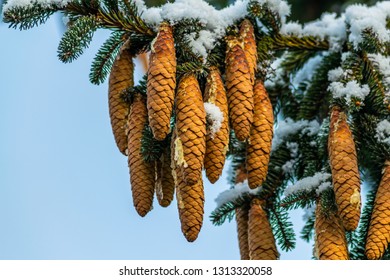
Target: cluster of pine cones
{"points": [[193, 146], [241, 99]]}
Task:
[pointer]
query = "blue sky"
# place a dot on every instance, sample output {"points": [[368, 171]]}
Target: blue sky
{"points": [[64, 186]]}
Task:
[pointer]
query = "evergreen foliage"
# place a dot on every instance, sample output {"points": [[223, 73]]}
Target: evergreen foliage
{"points": [[303, 99]]}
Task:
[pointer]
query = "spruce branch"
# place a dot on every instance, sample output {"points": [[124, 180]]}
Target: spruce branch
{"points": [[307, 231], [105, 57], [77, 38], [282, 227], [29, 16], [301, 199], [299, 43]]}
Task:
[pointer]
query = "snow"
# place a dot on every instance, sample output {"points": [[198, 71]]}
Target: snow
{"points": [[214, 116], [383, 132], [383, 63], [362, 18], [288, 127], [232, 194], [319, 182], [336, 74], [275, 74], [349, 91], [213, 21], [29, 3]]}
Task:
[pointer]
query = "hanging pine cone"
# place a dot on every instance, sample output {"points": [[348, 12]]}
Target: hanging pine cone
{"points": [[378, 236], [161, 82], [260, 139], [121, 78], [260, 237], [242, 231], [242, 217], [190, 199], [217, 143], [248, 35], [330, 242], [165, 184], [345, 173], [239, 89], [142, 173], [190, 145]]}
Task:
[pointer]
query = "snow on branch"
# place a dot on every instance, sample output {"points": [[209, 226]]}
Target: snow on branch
{"points": [[318, 182], [10, 4], [383, 132], [232, 194]]}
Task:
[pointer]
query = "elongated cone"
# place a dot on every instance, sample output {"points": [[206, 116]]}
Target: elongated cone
{"points": [[121, 78], [330, 242], [239, 89], [250, 47], [191, 129], [165, 184], [161, 82], [217, 143], [260, 139], [260, 237], [190, 199], [142, 173], [378, 236], [242, 218], [345, 173], [242, 231]]}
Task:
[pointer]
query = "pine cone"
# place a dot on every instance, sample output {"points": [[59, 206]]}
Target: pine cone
{"points": [[239, 89], [165, 184], [190, 199], [345, 173], [161, 82], [378, 236], [121, 78], [250, 47], [190, 145], [142, 173], [260, 139], [330, 242], [261, 239], [242, 231], [217, 144]]}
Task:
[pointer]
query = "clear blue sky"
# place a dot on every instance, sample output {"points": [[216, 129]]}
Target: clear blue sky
{"points": [[64, 187]]}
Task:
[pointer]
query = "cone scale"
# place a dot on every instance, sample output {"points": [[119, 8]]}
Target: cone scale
{"points": [[121, 78], [190, 198], [217, 144], [142, 173], [239, 88], [378, 236], [345, 173], [250, 48], [190, 144], [260, 237], [330, 242], [161, 82], [260, 139]]}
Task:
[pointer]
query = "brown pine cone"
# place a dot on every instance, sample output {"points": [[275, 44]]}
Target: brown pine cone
{"points": [[121, 78], [330, 242], [190, 199], [242, 231], [239, 89], [217, 143], [260, 237], [161, 82], [378, 236], [142, 173], [248, 35], [190, 145], [345, 173], [260, 139], [165, 184]]}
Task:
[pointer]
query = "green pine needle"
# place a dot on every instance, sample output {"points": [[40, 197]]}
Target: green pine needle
{"points": [[77, 38], [105, 57]]}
